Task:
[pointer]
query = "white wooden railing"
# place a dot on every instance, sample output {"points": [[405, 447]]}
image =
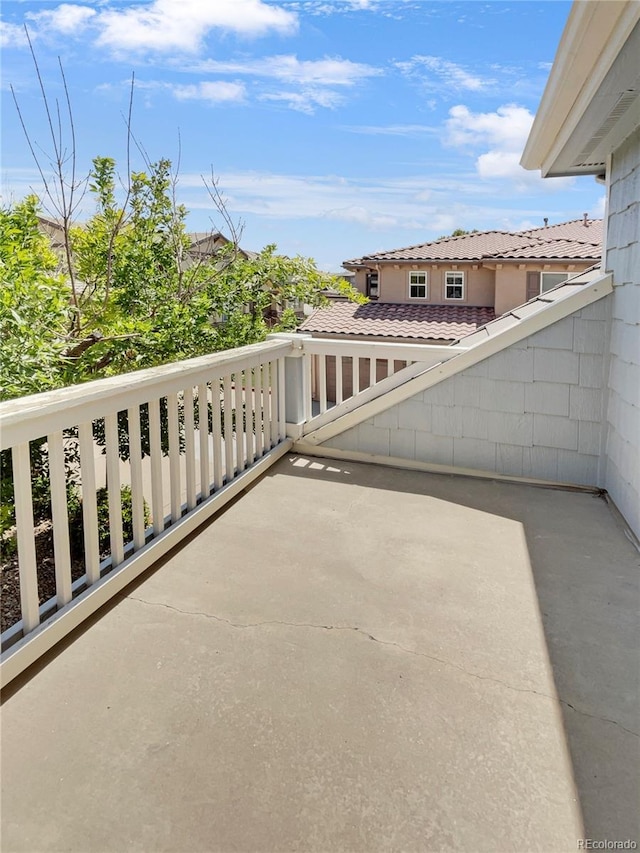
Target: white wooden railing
{"points": [[205, 424], [184, 438], [340, 376]]}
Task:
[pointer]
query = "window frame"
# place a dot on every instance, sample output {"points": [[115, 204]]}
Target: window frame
{"points": [[370, 285], [461, 274], [424, 284], [552, 272]]}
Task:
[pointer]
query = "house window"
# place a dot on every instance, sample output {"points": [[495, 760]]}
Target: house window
{"points": [[549, 280], [418, 285], [454, 285], [372, 285]]}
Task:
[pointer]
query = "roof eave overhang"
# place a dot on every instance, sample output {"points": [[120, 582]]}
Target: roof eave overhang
{"points": [[594, 72]]}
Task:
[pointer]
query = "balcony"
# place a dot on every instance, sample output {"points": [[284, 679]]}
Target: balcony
{"points": [[301, 652]]}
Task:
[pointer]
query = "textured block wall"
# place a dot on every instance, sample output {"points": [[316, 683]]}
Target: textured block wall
{"points": [[622, 478], [535, 409]]}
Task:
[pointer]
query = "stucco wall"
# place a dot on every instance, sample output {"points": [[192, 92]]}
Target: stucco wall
{"points": [[623, 260], [534, 410], [511, 288], [503, 288], [511, 281], [394, 284]]}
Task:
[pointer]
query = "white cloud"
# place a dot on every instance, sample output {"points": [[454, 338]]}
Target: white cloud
{"points": [[167, 25], [307, 101], [393, 129], [362, 216], [503, 134], [447, 73], [309, 84], [12, 35], [432, 205], [506, 129], [329, 71], [68, 18], [218, 91], [313, 82]]}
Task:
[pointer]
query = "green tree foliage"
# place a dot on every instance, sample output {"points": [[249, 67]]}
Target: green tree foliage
{"points": [[35, 311], [459, 232], [128, 294]]}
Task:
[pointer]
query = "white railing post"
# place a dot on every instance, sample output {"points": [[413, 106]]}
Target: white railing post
{"points": [[297, 387]]}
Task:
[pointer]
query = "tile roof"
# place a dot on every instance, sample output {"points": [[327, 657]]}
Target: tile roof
{"points": [[398, 320], [583, 241], [555, 249]]}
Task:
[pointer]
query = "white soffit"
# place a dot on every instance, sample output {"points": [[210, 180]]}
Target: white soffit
{"points": [[592, 99]]}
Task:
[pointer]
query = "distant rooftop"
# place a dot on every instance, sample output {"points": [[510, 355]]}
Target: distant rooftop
{"points": [[397, 320], [578, 239]]}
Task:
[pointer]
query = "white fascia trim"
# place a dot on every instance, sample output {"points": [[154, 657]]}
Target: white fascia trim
{"points": [[592, 39], [555, 309]]}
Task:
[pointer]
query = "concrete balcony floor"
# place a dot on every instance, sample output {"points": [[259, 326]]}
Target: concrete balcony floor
{"points": [[349, 658]]}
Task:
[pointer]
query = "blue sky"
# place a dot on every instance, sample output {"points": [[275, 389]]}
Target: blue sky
{"points": [[335, 127]]}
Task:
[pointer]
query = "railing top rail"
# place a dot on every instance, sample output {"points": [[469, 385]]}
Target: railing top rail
{"points": [[379, 349], [27, 418]]}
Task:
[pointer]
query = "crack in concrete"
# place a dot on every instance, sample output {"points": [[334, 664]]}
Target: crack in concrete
{"points": [[355, 629], [598, 717]]}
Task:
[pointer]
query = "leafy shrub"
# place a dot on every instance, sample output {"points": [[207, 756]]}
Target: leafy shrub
{"points": [[76, 521]]}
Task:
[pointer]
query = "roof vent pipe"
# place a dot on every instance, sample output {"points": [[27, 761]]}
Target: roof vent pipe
{"points": [[586, 219], [546, 221]]}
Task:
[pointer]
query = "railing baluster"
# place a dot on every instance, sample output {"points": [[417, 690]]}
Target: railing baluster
{"points": [[390, 367], [203, 426], [190, 447], [137, 493], [229, 470], [282, 425], [260, 410], [155, 444], [355, 374], [240, 421], [174, 457], [248, 408], [60, 518], [372, 371], [25, 535], [89, 505], [307, 386], [266, 404], [113, 488], [338, 379], [217, 416], [322, 383]]}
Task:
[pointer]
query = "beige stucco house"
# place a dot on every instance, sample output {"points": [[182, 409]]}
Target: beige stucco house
{"points": [[495, 269]]}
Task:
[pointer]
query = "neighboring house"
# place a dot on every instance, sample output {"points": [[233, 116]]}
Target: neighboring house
{"points": [[492, 269], [205, 245], [202, 245], [440, 291], [54, 230]]}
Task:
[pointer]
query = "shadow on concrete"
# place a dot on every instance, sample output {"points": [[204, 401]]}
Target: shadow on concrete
{"points": [[586, 573]]}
